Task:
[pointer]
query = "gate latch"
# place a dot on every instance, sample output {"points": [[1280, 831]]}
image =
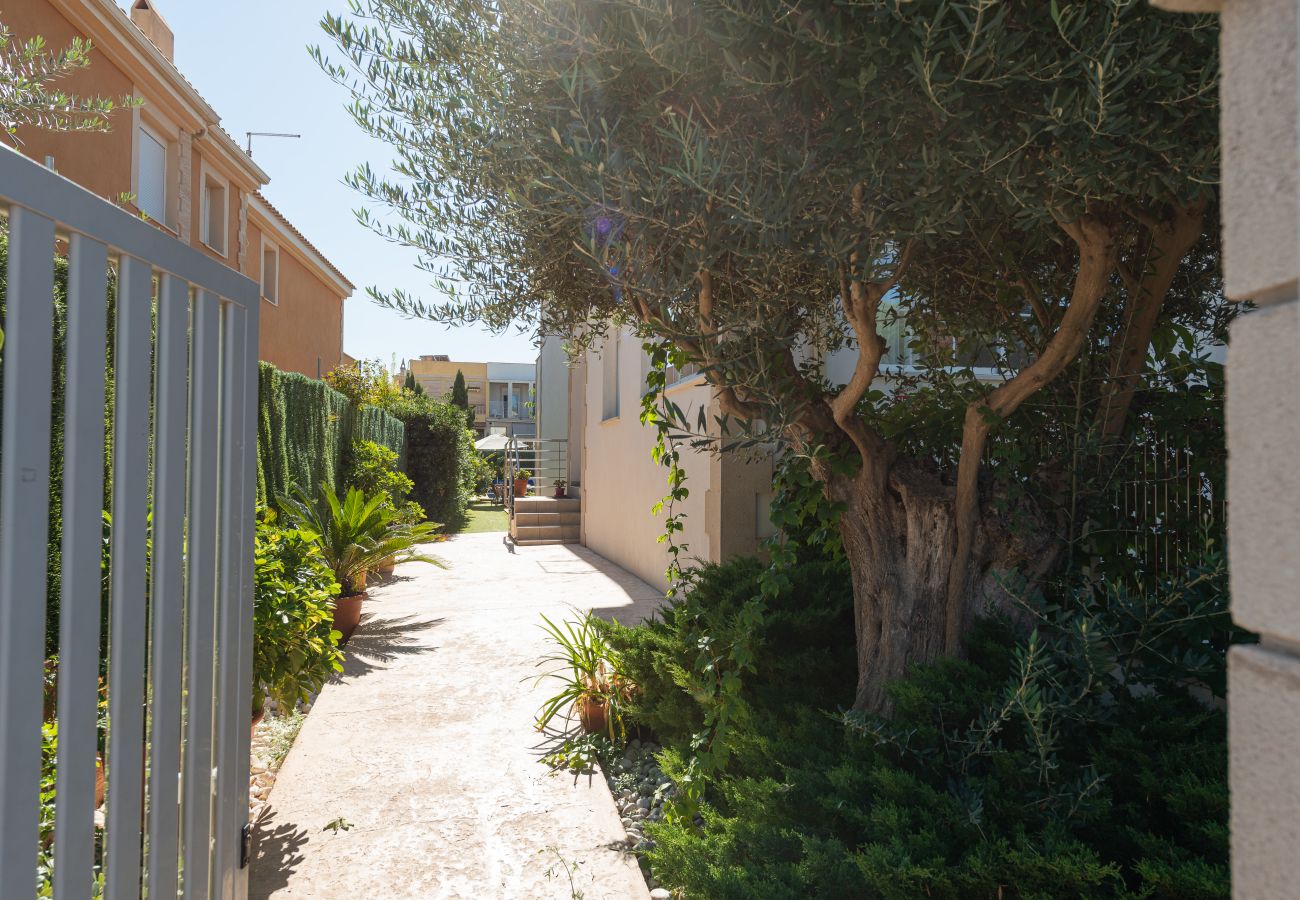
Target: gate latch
{"points": [[245, 845]]}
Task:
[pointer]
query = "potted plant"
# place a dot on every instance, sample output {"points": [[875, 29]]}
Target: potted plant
{"points": [[560, 485], [521, 482], [588, 669], [356, 534]]}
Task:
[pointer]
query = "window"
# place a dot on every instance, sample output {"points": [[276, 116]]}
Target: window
{"points": [[673, 375], [270, 272], [609, 377], [215, 204], [151, 175]]}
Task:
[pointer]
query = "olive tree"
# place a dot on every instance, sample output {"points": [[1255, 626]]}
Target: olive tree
{"points": [[756, 183]]}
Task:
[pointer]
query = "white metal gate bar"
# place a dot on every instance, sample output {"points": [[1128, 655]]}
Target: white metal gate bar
{"points": [[180, 606], [168, 583], [200, 593], [126, 605], [24, 498], [83, 492]]}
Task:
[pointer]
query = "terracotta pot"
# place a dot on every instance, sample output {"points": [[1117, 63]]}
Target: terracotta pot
{"points": [[386, 568], [99, 781], [521, 487], [347, 614], [559, 493], [257, 718], [360, 581], [594, 715]]}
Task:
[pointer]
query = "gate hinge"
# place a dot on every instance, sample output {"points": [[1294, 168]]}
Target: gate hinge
{"points": [[245, 845]]}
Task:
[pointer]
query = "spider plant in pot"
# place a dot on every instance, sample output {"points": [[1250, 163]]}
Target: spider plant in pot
{"points": [[355, 535], [591, 682]]}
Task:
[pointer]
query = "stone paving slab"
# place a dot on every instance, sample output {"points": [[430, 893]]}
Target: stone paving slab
{"points": [[425, 745]]}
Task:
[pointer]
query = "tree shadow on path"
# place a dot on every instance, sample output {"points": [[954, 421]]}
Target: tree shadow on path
{"points": [[277, 851], [379, 641]]}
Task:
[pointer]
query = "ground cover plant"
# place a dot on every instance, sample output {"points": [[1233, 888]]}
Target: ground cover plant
{"points": [[1064, 757]]}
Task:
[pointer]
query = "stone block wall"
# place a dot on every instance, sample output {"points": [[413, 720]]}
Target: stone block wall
{"points": [[1261, 237]]}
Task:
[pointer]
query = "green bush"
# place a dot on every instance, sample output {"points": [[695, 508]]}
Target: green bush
{"points": [[373, 469], [1070, 759], [295, 646], [439, 454], [305, 430]]}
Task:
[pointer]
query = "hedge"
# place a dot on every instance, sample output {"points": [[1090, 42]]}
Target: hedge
{"points": [[305, 429], [439, 449]]}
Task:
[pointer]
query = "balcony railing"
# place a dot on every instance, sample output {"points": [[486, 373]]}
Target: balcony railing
{"points": [[504, 410]]}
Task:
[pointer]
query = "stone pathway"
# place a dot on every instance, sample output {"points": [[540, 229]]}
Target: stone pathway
{"points": [[417, 772]]}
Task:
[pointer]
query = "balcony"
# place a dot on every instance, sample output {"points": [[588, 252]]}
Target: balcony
{"points": [[503, 410]]}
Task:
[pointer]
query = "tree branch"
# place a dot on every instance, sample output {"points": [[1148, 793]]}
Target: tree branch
{"points": [[1097, 259], [1173, 239]]}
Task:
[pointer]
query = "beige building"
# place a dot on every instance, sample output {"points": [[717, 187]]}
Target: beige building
{"points": [[170, 160], [594, 407], [501, 394]]}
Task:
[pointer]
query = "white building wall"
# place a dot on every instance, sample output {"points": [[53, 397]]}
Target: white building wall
{"points": [[620, 481]]}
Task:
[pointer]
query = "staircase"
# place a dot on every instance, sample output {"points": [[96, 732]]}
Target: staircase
{"points": [[546, 520]]}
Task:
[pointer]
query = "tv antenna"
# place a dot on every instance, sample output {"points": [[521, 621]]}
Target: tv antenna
{"points": [[252, 134]]}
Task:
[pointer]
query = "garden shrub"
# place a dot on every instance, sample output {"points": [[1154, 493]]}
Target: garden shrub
{"points": [[1069, 755], [372, 468], [305, 430], [439, 454], [295, 647]]}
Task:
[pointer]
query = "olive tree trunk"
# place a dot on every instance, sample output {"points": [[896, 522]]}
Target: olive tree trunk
{"points": [[900, 540]]}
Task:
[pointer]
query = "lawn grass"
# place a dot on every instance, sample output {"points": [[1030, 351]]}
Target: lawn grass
{"points": [[483, 516]]}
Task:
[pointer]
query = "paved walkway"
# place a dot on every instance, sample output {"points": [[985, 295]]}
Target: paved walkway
{"points": [[425, 745]]}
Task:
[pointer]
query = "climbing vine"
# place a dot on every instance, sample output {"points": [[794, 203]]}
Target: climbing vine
{"points": [[715, 676]]}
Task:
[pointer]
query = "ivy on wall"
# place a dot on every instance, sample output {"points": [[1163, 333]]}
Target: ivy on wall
{"points": [[305, 429]]}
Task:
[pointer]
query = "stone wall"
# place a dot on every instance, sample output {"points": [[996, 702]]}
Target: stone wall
{"points": [[1261, 246]]}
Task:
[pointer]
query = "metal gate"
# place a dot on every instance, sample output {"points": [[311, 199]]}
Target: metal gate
{"points": [[171, 571]]}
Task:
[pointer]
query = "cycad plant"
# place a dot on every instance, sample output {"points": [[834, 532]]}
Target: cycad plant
{"points": [[357, 533]]}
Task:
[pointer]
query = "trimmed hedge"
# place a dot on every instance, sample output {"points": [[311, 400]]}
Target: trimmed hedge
{"points": [[439, 454], [305, 430]]}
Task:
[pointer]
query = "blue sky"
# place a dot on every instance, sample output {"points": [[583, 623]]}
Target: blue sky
{"points": [[248, 59]]}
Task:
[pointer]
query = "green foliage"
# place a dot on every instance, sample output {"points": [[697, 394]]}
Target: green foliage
{"points": [[357, 534], [29, 92], [460, 397], [439, 454], [365, 383], [305, 430], [295, 647], [373, 469], [787, 160], [48, 796], [588, 670], [1077, 759]]}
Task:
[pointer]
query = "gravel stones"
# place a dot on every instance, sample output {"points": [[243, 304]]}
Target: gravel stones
{"points": [[640, 791]]}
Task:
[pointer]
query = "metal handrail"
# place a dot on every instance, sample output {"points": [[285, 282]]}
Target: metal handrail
{"points": [[547, 459]]}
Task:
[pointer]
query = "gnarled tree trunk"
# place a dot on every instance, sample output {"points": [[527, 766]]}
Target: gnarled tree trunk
{"points": [[899, 538]]}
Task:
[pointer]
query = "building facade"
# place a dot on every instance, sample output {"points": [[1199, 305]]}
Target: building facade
{"points": [[169, 159], [501, 394], [594, 404]]}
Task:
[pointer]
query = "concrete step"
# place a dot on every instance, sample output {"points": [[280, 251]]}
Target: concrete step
{"points": [[547, 505], [530, 535], [547, 518]]}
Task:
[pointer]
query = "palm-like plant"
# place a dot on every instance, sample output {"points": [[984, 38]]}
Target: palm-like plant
{"points": [[589, 672], [357, 533]]}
